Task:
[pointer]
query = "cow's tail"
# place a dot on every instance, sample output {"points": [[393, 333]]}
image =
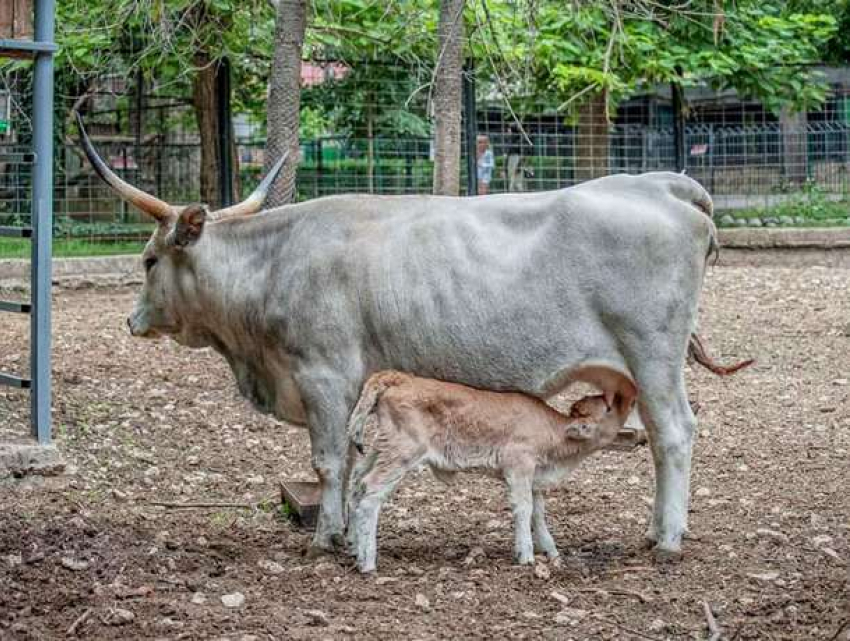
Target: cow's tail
{"points": [[696, 351], [371, 393]]}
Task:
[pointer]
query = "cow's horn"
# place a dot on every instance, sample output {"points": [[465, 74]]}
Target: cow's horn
{"points": [[253, 203], [155, 207]]}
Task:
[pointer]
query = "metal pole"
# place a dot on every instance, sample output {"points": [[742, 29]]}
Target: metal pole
{"points": [[42, 216], [678, 125], [470, 129], [138, 125], [225, 180]]}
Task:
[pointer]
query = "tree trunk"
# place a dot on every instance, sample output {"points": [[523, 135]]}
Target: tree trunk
{"points": [[592, 145], [794, 145], [448, 99], [285, 97], [204, 102]]}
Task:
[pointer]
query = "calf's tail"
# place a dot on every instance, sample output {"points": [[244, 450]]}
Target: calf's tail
{"points": [[697, 352], [371, 393]]}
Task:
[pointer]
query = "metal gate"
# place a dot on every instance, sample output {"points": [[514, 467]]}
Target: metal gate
{"points": [[41, 49]]}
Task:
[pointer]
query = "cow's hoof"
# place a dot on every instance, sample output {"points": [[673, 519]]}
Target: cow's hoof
{"points": [[667, 557], [330, 545], [650, 538]]}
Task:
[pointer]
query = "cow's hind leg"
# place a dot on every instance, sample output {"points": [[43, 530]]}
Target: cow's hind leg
{"points": [[670, 425]]}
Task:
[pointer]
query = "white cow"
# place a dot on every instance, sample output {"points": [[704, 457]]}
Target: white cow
{"points": [[510, 292]]}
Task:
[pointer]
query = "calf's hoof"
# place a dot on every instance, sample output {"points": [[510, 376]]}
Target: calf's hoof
{"points": [[317, 551], [666, 557]]}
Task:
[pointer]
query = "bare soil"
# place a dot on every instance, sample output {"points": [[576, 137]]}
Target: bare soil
{"points": [[146, 422]]}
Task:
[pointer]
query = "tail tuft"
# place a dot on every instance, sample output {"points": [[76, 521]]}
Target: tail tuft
{"points": [[697, 352]]}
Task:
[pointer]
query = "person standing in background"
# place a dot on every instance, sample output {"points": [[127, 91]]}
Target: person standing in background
{"points": [[486, 163]]}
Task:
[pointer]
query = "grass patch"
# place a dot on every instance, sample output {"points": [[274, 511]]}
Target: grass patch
{"points": [[70, 247], [811, 206]]}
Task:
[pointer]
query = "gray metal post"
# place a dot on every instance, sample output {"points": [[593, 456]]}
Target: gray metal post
{"points": [[222, 86], [470, 130], [42, 217], [678, 125]]}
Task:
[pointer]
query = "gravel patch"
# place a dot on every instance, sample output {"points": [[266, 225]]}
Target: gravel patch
{"points": [[145, 422]]}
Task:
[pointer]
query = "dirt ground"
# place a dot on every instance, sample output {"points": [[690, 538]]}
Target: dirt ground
{"points": [[145, 422]]}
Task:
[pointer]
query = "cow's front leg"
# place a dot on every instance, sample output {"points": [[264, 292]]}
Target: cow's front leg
{"points": [[328, 402], [328, 460]]}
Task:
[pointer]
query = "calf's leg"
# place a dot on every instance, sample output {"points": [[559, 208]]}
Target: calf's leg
{"points": [[520, 496], [543, 541], [355, 494], [382, 477]]}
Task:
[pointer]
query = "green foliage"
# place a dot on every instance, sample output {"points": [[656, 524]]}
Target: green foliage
{"points": [[315, 123], [760, 48], [540, 51], [369, 95], [810, 201], [63, 247], [358, 30], [166, 40], [64, 226]]}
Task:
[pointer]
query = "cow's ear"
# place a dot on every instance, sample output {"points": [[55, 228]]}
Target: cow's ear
{"points": [[188, 226]]}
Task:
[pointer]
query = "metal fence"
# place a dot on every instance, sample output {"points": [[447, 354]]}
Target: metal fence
{"points": [[742, 167], [748, 159]]}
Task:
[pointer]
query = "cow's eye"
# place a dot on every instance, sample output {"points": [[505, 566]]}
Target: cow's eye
{"points": [[149, 263]]}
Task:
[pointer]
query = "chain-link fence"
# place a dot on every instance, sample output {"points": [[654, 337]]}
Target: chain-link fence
{"points": [[368, 130]]}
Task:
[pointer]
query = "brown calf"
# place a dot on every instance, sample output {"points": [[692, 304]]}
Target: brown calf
{"points": [[452, 427]]}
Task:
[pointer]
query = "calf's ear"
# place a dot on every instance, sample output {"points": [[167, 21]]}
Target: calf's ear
{"points": [[188, 226]]}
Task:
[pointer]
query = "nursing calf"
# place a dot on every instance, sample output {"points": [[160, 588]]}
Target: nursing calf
{"points": [[453, 427]]}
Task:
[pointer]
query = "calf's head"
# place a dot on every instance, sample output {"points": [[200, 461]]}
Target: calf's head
{"points": [[589, 407], [164, 306]]}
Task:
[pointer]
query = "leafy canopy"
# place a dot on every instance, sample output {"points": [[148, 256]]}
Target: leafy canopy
{"points": [[762, 48], [559, 52]]}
